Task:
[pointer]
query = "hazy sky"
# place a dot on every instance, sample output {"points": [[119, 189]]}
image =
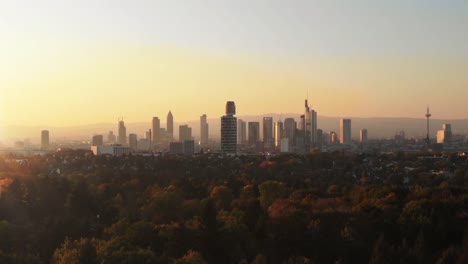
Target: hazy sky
{"points": [[80, 62]]}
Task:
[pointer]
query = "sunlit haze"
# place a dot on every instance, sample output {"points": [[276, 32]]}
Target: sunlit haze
{"points": [[66, 63]]}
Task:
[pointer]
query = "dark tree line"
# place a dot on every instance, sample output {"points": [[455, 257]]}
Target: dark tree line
{"points": [[315, 208]]}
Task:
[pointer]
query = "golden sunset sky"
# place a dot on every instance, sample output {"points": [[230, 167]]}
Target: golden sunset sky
{"points": [[66, 63]]}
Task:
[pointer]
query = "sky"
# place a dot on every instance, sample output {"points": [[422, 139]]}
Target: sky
{"points": [[67, 62]]}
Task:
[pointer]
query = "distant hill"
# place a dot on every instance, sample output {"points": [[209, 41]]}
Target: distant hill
{"points": [[377, 127]]}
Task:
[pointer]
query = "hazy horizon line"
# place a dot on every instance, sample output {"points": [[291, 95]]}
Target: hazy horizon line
{"points": [[287, 115]]}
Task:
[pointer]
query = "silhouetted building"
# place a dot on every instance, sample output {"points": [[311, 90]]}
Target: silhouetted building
{"points": [[133, 141], [122, 138], [45, 139], [189, 147], [279, 133], [156, 128], [229, 129], [254, 132], [98, 140], [319, 138], [170, 126], [290, 127], [268, 139], [363, 136], [400, 138], [143, 144], [241, 132], [345, 131], [176, 148], [444, 135], [111, 138], [334, 138], [230, 108], [185, 133], [284, 145], [204, 130], [110, 150]]}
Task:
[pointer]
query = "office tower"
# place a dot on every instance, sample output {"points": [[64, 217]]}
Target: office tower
{"points": [[133, 141], [313, 133], [268, 139], [98, 140], [284, 145], [333, 138], [185, 133], [143, 144], [163, 134], [148, 135], [279, 133], [345, 131], [319, 138], [176, 148], [189, 147], [241, 132], [254, 132], [290, 127], [170, 126], [203, 130], [363, 136], [230, 108], [444, 135], [45, 139], [111, 138], [309, 126], [302, 123], [229, 129], [400, 137], [122, 138], [156, 126]]}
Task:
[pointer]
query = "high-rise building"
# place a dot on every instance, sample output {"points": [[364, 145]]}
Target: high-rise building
{"points": [[111, 138], [444, 135], [204, 130], [45, 139], [230, 108], [241, 132], [156, 126], [309, 126], [122, 138], [189, 147], [133, 141], [319, 138], [170, 126], [268, 139], [333, 138], [176, 148], [284, 145], [98, 140], [345, 131], [254, 132], [313, 132], [290, 127], [185, 133], [363, 136], [229, 129], [279, 133]]}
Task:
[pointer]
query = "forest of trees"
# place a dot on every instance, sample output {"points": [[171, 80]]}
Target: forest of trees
{"points": [[73, 207]]}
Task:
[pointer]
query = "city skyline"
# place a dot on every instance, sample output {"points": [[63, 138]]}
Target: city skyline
{"points": [[362, 59]]}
